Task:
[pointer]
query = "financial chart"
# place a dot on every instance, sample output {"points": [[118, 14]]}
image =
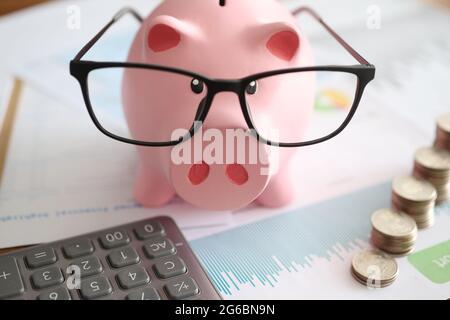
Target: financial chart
{"points": [[306, 253]]}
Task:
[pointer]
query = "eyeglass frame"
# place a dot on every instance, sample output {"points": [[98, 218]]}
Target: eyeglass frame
{"points": [[80, 70]]}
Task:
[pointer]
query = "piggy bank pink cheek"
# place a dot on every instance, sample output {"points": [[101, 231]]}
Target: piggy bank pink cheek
{"points": [[162, 38]]}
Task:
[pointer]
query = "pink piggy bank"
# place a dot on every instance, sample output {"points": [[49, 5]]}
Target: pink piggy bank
{"points": [[225, 40]]}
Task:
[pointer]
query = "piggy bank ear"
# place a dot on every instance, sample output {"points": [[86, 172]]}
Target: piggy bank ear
{"points": [[163, 34], [162, 37], [166, 32], [283, 41]]}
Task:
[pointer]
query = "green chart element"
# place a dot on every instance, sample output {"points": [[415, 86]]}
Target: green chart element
{"points": [[433, 263]]}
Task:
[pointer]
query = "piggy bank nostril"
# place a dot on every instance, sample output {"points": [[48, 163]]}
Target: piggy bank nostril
{"points": [[198, 173], [237, 174]]}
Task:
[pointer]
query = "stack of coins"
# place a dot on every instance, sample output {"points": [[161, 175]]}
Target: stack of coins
{"points": [[415, 197], [433, 165], [443, 133], [374, 268], [393, 232]]}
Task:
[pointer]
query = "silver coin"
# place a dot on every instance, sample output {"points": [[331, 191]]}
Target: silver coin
{"points": [[393, 223], [433, 159], [374, 265], [413, 189]]}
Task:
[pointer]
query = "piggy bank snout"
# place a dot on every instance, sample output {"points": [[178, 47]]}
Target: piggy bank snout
{"points": [[226, 169]]}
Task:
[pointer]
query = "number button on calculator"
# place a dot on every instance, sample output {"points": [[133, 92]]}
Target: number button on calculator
{"points": [[47, 277], [148, 230], [123, 257], [114, 239], [133, 277], [95, 288], [88, 266], [60, 293]]}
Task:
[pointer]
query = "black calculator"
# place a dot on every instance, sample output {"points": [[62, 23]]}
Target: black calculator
{"points": [[147, 260]]}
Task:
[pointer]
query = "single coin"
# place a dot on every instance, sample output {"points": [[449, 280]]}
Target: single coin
{"points": [[413, 189], [374, 265], [434, 159], [393, 223]]}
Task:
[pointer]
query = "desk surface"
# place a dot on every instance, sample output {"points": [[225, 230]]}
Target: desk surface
{"points": [[9, 250]]}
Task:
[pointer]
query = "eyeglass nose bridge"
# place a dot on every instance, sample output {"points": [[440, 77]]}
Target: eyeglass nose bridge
{"points": [[216, 87], [226, 86]]}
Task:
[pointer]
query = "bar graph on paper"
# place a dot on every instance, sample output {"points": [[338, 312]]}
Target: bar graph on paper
{"points": [[306, 253]]}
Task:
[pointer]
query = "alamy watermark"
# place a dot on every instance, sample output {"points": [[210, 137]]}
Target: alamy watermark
{"points": [[73, 21], [374, 17], [225, 147]]}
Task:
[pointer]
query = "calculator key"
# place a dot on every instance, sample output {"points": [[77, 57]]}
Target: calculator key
{"points": [[133, 277], [148, 230], [95, 287], [114, 239], [47, 277], [11, 284], [123, 257], [148, 293], [41, 257], [159, 247], [182, 288], [89, 266], [60, 293], [169, 267], [78, 248]]}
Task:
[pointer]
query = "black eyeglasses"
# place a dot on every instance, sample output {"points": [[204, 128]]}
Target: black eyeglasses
{"points": [[335, 92]]}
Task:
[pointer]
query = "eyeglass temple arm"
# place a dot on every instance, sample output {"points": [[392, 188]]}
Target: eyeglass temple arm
{"points": [[97, 37], [346, 46]]}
